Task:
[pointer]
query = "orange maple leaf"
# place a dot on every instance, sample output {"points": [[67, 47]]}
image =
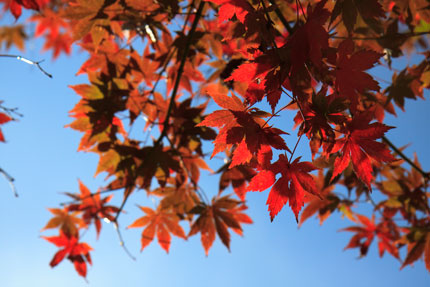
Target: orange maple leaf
{"points": [[216, 218], [161, 222]]}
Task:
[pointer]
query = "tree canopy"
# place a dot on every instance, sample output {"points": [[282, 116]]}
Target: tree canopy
{"points": [[180, 89]]}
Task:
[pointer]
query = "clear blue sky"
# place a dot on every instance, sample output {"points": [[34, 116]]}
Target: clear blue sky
{"points": [[41, 154]]}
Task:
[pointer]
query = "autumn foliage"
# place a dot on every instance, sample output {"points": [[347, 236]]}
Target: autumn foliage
{"points": [[208, 81]]}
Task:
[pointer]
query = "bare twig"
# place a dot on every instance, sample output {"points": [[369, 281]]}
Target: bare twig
{"points": [[27, 61], [270, 22], [295, 147], [301, 8], [121, 240], [274, 115], [11, 180], [10, 111], [128, 193]]}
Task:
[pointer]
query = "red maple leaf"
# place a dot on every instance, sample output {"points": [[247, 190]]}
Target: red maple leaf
{"points": [[416, 250], [229, 8], [263, 78], [350, 76], [58, 43], [323, 205], [15, 6], [49, 23], [308, 42], [366, 231], [241, 127], [3, 119], [238, 177], [76, 252], [291, 187], [318, 117], [368, 9], [360, 144]]}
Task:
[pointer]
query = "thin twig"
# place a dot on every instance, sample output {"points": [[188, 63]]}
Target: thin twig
{"points": [[200, 192], [294, 150], [301, 7], [180, 71], [10, 111], [10, 179], [121, 241], [402, 155], [329, 28], [169, 57], [27, 61], [128, 193], [296, 99], [274, 115], [270, 22], [373, 203], [161, 72]]}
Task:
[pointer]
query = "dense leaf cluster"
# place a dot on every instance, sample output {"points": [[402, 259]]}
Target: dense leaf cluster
{"points": [[159, 64]]}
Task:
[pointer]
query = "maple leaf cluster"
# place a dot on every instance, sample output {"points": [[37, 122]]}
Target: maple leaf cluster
{"points": [[71, 219], [313, 60]]}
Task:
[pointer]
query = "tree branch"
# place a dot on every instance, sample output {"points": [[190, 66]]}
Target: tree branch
{"points": [[127, 195], [10, 179], [406, 35], [403, 156], [281, 17], [270, 22], [121, 240], [180, 71], [27, 61]]}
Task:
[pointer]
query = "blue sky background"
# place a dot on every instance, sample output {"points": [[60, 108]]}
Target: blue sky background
{"points": [[41, 154]]}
